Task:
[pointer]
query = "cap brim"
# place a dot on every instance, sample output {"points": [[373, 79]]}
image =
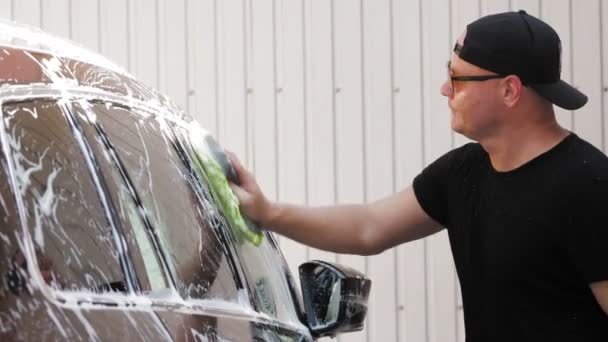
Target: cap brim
{"points": [[561, 94]]}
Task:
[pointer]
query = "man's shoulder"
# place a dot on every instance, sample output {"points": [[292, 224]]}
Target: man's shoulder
{"points": [[586, 159], [584, 170]]}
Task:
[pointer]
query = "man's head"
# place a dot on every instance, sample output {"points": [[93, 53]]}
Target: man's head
{"points": [[513, 58]]}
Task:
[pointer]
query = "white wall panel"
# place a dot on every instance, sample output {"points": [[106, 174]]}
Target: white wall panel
{"points": [[494, 6], [436, 47], [173, 43], [114, 31], [320, 109], [232, 83], [6, 9], [604, 51], [27, 12], [202, 62], [532, 7], [587, 66], [331, 101], [56, 17], [349, 120], [144, 42], [379, 147], [558, 15], [262, 94], [292, 125], [409, 159], [84, 23]]}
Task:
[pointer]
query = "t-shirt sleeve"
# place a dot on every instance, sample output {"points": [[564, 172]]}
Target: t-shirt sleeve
{"points": [[431, 187], [587, 240]]}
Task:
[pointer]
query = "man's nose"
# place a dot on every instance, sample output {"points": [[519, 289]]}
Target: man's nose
{"points": [[445, 89]]}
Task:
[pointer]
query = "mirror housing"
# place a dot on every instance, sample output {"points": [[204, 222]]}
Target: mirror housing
{"points": [[335, 298]]}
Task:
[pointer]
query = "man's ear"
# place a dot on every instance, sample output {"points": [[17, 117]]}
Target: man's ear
{"points": [[511, 90]]}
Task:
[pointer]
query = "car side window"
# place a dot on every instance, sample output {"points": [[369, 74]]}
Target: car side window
{"points": [[73, 239], [263, 266], [265, 270], [185, 221], [12, 260]]}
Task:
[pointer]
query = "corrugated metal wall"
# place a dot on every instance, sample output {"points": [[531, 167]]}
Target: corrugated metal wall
{"points": [[330, 101]]}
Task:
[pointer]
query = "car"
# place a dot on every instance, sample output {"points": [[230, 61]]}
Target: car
{"points": [[114, 227]]}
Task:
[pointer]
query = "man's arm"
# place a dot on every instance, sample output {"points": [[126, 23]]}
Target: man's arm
{"points": [[600, 291], [354, 229]]}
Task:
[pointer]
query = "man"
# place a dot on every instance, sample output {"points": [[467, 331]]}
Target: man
{"points": [[525, 207]]}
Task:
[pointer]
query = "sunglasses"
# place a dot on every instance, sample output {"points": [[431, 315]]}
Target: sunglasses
{"points": [[474, 78]]}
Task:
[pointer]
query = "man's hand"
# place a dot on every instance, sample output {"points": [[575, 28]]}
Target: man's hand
{"points": [[252, 201]]}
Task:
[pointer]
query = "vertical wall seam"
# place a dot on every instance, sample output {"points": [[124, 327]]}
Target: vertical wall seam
{"points": [[157, 28], [250, 82], [40, 14], [305, 109], [452, 144], [450, 35], [392, 95], [275, 100], [99, 29], [424, 152], [249, 158], [216, 103], [128, 24], [363, 125], [335, 169], [70, 24], [603, 116], [187, 54], [332, 37], [571, 49]]}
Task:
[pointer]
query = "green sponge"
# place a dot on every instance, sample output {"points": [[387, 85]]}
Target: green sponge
{"points": [[206, 162]]}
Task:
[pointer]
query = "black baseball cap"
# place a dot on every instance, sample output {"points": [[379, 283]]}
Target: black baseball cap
{"points": [[516, 43]]}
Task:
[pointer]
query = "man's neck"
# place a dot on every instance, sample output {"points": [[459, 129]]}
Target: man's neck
{"points": [[515, 147]]}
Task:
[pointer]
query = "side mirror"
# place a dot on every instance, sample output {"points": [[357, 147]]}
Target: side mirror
{"points": [[335, 298]]}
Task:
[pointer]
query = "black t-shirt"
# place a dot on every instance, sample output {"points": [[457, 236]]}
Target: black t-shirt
{"points": [[527, 242]]}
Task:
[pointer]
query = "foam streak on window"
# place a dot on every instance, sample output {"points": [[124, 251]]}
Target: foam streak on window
{"points": [[73, 239], [184, 221]]}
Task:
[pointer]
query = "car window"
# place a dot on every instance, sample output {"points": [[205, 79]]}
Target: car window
{"points": [[263, 265], [184, 219], [73, 239], [12, 260], [139, 236], [265, 270]]}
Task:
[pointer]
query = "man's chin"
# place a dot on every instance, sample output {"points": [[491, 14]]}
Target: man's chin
{"points": [[459, 129], [457, 126]]}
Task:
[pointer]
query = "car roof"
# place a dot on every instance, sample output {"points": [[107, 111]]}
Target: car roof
{"points": [[36, 63], [20, 36]]}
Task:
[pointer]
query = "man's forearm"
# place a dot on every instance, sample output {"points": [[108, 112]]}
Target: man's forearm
{"points": [[339, 229]]}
